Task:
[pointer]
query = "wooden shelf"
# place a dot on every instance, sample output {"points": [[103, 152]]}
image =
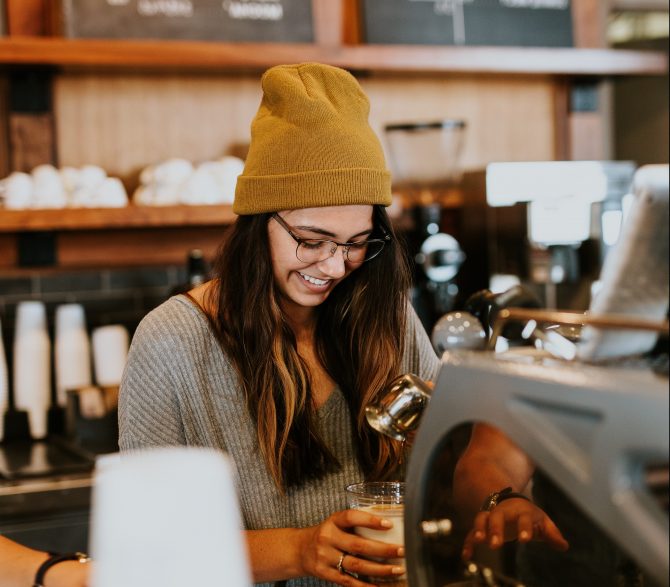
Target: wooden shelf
{"points": [[115, 218], [100, 53]]}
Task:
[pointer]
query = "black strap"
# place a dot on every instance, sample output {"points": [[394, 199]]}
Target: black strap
{"points": [[54, 559], [496, 497], [511, 494]]}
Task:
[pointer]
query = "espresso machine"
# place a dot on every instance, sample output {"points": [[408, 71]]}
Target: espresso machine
{"points": [[561, 217], [425, 159], [594, 422]]}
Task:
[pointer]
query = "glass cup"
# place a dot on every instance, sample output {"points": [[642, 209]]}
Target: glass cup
{"points": [[386, 500]]}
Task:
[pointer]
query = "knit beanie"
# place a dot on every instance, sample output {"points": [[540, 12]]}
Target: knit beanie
{"points": [[311, 144]]}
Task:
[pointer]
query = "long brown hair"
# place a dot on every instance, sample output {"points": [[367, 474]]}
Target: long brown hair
{"points": [[359, 340]]}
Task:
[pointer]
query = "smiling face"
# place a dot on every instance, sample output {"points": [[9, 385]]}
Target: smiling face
{"points": [[304, 286]]}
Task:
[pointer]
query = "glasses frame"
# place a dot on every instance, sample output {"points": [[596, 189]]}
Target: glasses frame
{"points": [[345, 246]]}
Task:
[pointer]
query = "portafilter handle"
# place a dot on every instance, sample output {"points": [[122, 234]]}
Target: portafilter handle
{"points": [[398, 411]]}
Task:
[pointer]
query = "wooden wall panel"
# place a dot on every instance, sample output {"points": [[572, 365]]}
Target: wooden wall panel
{"points": [[4, 126], [124, 122], [508, 119], [590, 132], [589, 22], [168, 246], [351, 10], [561, 114], [328, 22], [31, 140], [8, 251], [29, 17]]}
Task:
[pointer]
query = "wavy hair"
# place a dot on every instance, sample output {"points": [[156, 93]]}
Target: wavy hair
{"points": [[359, 341]]}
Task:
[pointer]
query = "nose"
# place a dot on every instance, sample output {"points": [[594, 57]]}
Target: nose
{"points": [[334, 266]]}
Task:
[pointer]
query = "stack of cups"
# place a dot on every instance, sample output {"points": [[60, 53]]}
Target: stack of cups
{"points": [[32, 365], [4, 385], [72, 351], [167, 517], [110, 351]]}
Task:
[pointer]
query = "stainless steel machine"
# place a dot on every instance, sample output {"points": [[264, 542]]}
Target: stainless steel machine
{"points": [[598, 433], [572, 212], [425, 158], [594, 421]]}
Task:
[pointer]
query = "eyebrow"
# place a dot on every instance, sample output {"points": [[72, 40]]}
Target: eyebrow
{"points": [[323, 232]]}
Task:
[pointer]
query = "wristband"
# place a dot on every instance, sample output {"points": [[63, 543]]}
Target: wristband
{"points": [[496, 497], [54, 559]]}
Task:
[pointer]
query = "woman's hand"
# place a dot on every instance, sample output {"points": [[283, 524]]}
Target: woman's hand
{"points": [[513, 519], [331, 551]]}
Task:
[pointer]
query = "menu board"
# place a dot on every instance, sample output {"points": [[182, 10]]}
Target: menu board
{"points": [[208, 20], [520, 23]]}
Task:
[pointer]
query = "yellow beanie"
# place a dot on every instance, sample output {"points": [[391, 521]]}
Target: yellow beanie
{"points": [[311, 144]]}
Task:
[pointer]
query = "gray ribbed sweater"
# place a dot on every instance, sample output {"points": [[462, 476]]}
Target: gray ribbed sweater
{"points": [[179, 388]]}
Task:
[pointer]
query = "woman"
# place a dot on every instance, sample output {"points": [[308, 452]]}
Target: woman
{"points": [[305, 323]]}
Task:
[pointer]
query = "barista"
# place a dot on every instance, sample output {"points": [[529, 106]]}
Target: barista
{"points": [[305, 323]]}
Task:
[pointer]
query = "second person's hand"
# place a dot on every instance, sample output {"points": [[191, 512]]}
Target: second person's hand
{"points": [[513, 519]]}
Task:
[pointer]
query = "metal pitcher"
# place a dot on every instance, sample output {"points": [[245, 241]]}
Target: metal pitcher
{"points": [[400, 408]]}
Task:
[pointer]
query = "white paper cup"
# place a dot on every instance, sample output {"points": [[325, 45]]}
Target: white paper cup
{"points": [[110, 352], [72, 351], [4, 385], [32, 365], [167, 517]]}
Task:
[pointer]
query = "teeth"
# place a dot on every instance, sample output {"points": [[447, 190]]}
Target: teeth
{"points": [[314, 280]]}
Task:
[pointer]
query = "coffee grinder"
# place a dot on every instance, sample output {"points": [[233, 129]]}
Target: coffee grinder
{"points": [[568, 216], [425, 159]]}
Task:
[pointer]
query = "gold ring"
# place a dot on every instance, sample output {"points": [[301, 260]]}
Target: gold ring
{"points": [[340, 568]]}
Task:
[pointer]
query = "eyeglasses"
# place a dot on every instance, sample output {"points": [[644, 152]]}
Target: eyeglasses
{"points": [[310, 250]]}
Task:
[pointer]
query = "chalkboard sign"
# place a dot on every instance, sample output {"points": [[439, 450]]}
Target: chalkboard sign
{"points": [[207, 20], [520, 23]]}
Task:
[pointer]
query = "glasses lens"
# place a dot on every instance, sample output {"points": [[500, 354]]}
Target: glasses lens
{"points": [[364, 251], [314, 251]]}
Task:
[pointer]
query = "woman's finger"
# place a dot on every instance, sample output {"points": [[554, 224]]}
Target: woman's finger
{"points": [[357, 545], [349, 518], [361, 566], [343, 571]]}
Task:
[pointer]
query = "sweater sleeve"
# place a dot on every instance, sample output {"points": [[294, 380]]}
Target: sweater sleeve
{"points": [[149, 413]]}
